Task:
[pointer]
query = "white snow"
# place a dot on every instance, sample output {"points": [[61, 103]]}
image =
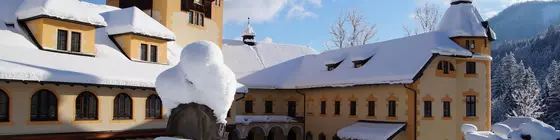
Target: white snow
{"points": [[538, 130], [200, 77], [109, 66], [64, 9], [241, 88], [248, 31], [133, 20], [462, 20], [370, 130], [246, 120]]}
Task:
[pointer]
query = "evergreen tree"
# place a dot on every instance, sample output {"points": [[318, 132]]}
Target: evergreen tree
{"points": [[505, 80], [526, 97], [552, 101]]}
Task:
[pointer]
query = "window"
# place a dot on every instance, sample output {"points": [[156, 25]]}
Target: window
{"points": [[153, 107], [322, 137], [122, 108], [360, 63], [292, 108], [427, 108], [76, 42], [470, 44], [144, 52], [62, 37], [471, 68], [445, 66], [446, 109], [323, 107], [471, 106], [249, 106], [191, 18], [153, 53], [308, 135], [217, 3], [4, 107], [331, 67], [352, 108], [371, 108], [86, 106], [268, 107], [336, 107], [392, 108], [196, 19], [201, 16], [44, 106]]}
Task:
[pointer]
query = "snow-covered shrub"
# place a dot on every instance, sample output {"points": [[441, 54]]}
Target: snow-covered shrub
{"points": [[532, 129], [200, 77]]}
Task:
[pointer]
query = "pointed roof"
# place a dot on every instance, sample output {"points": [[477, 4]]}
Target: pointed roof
{"points": [[133, 20], [72, 10], [248, 31], [462, 19]]}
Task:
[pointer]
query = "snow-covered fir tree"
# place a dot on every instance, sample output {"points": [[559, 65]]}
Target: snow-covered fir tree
{"points": [[526, 98], [552, 100], [504, 82]]}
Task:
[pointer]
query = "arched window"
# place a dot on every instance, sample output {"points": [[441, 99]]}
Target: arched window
{"points": [[153, 107], [308, 136], [86, 106], [445, 66], [44, 106], [4, 107], [122, 108], [322, 137]]}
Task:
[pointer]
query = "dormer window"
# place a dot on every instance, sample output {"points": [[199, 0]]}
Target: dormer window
{"points": [[148, 55], [331, 67], [469, 44], [360, 63], [75, 41]]}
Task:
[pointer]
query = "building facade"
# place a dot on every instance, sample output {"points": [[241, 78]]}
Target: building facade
{"points": [[93, 67]]}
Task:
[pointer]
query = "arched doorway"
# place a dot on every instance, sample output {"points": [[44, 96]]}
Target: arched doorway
{"points": [[295, 133], [335, 137], [322, 137], [308, 136], [233, 135], [276, 133], [256, 133]]}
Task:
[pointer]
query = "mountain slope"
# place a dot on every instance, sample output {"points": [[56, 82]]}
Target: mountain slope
{"points": [[525, 20]]}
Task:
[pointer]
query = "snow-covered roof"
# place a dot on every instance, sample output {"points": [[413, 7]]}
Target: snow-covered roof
{"points": [[395, 61], [20, 59], [515, 122], [462, 20], [241, 88], [64, 9], [244, 119], [244, 59], [248, 31], [364, 130], [133, 20]]}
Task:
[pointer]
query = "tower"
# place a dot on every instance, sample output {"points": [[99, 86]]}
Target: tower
{"points": [[190, 20], [464, 25], [249, 34]]}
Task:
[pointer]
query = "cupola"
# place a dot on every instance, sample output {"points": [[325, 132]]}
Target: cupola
{"points": [[249, 34]]}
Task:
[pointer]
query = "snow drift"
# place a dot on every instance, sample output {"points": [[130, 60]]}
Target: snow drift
{"points": [[529, 128], [200, 77]]}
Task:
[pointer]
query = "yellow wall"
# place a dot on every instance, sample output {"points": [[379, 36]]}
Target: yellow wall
{"points": [[130, 44], [20, 95], [280, 100], [453, 88], [482, 45], [169, 14], [45, 30], [315, 122]]}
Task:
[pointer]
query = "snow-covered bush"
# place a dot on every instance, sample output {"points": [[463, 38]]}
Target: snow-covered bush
{"points": [[200, 77], [530, 129]]}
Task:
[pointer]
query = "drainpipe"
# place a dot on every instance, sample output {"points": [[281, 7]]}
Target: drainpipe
{"points": [[304, 111], [240, 97], [415, 107]]}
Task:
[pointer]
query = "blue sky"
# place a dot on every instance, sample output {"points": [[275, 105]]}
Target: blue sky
{"points": [[306, 22]]}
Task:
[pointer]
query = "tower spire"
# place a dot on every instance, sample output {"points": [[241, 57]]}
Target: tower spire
{"points": [[249, 34]]}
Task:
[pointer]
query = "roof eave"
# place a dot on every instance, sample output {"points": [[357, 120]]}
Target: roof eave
{"points": [[57, 18]]}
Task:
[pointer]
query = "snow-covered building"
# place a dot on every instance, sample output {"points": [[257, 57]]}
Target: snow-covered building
{"points": [[398, 89], [75, 70]]}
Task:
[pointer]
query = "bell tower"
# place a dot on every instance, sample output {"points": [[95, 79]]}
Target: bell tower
{"points": [[190, 20], [464, 25], [249, 34]]}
